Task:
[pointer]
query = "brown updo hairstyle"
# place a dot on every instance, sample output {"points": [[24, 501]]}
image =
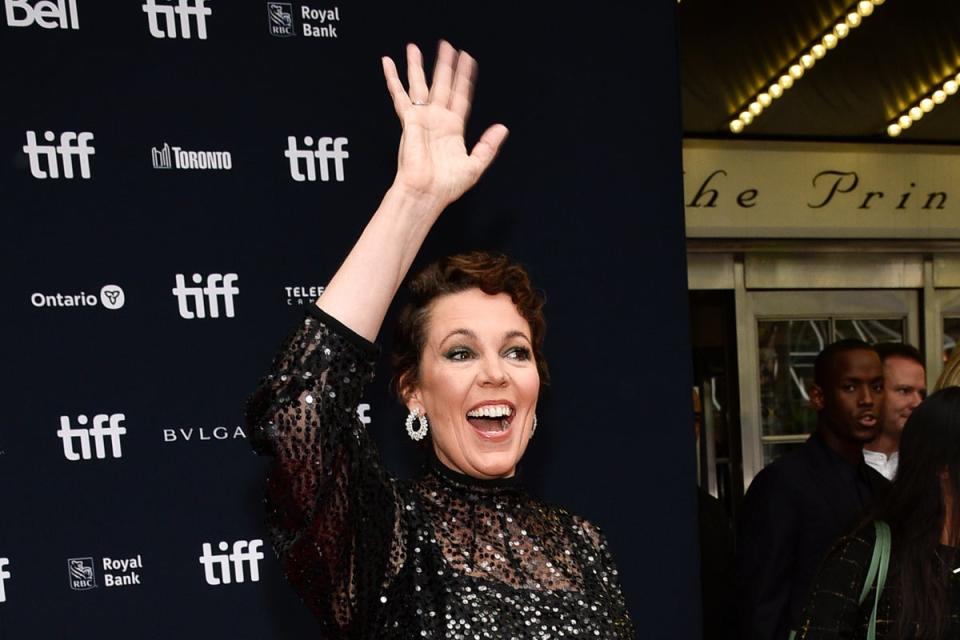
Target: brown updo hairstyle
{"points": [[492, 274]]}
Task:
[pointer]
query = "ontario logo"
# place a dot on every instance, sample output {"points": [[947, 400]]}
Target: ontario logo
{"points": [[111, 297]]}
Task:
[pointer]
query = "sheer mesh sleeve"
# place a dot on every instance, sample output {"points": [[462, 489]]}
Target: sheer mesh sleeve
{"points": [[332, 509], [833, 611]]}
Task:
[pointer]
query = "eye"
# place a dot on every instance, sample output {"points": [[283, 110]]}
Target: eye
{"points": [[849, 388], [458, 354], [518, 353]]}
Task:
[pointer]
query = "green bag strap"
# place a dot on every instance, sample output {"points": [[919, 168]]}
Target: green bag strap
{"points": [[883, 545], [876, 573]]}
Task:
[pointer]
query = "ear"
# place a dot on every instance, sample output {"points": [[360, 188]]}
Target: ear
{"points": [[410, 392], [817, 400]]}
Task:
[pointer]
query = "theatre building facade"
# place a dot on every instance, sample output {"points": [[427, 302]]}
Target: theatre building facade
{"points": [[791, 246]]}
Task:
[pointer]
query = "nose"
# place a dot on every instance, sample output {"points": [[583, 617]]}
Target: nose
{"points": [[492, 373], [866, 397]]}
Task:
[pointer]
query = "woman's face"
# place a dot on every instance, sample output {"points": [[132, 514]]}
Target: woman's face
{"points": [[478, 383]]}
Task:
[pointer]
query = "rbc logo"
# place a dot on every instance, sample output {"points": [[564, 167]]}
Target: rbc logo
{"points": [[82, 576], [323, 154], [216, 567], [218, 286], [61, 14], [71, 144], [103, 426], [4, 576], [183, 10]]}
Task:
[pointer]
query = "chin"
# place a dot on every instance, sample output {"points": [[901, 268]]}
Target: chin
{"points": [[494, 464]]}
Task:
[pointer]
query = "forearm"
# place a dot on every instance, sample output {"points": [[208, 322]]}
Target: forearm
{"points": [[363, 287]]}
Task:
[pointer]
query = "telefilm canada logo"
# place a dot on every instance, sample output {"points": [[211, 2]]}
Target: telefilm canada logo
{"points": [[115, 572], [4, 576], [46, 14], [168, 20], [111, 297], [300, 295], [167, 157], [54, 161], [205, 301], [232, 566]]}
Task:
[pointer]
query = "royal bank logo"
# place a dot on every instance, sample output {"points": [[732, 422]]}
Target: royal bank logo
{"points": [[232, 567], [319, 23], [81, 574], [104, 433], [111, 297], [304, 163], [169, 20], [116, 572], [300, 295], [167, 157], [4, 576], [46, 14], [280, 19], [46, 160], [204, 301]]}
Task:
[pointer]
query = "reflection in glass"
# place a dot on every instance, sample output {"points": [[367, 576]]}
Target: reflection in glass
{"points": [[951, 336]]}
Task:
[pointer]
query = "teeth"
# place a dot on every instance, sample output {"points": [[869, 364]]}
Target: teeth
{"points": [[490, 411]]}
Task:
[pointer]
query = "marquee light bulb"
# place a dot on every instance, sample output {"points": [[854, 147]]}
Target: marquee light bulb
{"points": [[904, 122], [736, 126], [915, 113], [755, 108], [746, 117], [776, 91], [830, 41], [795, 71], [893, 130], [877, 3], [864, 8], [853, 20], [764, 100], [926, 105], [818, 51], [806, 61], [841, 30], [939, 96], [950, 87], [785, 81]]}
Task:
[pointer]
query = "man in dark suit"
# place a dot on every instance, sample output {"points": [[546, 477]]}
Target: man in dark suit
{"points": [[799, 505]]}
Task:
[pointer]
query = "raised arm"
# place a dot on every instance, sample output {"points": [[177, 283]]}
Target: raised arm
{"points": [[433, 170]]}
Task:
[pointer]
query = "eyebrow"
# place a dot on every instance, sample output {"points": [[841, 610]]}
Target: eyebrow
{"points": [[470, 334]]}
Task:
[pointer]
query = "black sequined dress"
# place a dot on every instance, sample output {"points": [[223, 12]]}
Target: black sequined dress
{"points": [[445, 556]]}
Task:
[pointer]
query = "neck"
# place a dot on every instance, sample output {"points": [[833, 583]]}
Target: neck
{"points": [[849, 450], [886, 443]]}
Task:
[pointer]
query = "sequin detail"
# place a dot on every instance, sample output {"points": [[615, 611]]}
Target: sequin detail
{"points": [[445, 556]]}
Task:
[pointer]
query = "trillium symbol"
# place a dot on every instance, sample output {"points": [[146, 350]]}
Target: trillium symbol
{"points": [[112, 296]]}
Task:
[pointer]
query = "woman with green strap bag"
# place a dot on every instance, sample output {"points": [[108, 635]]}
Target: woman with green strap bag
{"points": [[898, 576]]}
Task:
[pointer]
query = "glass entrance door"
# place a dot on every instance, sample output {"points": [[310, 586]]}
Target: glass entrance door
{"points": [[780, 333]]}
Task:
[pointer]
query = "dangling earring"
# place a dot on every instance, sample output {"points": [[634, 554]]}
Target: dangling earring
{"points": [[417, 434], [534, 429]]}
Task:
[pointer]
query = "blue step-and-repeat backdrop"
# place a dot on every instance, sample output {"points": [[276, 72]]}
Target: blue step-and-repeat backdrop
{"points": [[178, 178]]}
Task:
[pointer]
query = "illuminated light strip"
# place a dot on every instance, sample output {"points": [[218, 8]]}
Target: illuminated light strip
{"points": [[795, 70], [925, 105]]}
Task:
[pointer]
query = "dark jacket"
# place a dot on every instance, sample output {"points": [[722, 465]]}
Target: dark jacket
{"points": [[793, 512]]}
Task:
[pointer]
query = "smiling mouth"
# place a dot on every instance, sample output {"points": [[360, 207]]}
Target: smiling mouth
{"points": [[491, 420], [867, 420]]}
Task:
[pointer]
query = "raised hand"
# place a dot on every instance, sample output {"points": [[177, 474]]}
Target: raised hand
{"points": [[433, 162]]}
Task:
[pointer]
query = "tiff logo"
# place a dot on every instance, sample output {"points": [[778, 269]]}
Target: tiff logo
{"points": [[218, 286], [104, 426], [61, 14], [182, 10], [216, 567], [4, 576], [71, 144], [323, 155]]}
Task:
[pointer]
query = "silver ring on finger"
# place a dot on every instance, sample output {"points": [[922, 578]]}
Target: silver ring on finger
{"points": [[420, 103]]}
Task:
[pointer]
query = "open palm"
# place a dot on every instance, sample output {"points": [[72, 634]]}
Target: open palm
{"points": [[433, 160]]}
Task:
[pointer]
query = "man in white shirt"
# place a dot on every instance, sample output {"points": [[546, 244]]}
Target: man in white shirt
{"points": [[905, 387]]}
